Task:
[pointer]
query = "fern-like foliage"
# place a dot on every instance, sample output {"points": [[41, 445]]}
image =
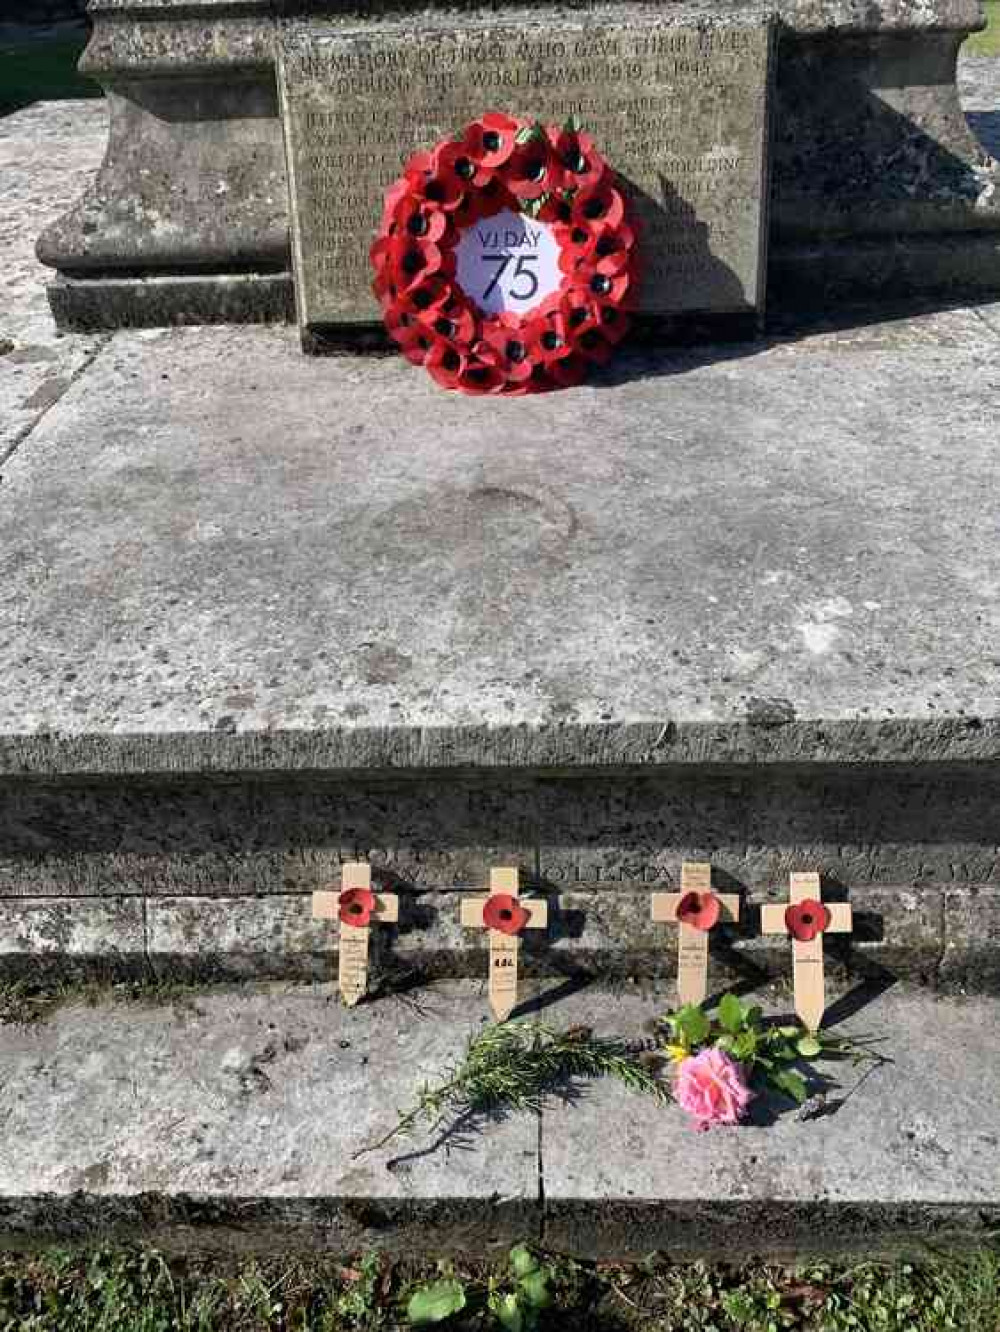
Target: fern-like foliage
{"points": [[514, 1066]]}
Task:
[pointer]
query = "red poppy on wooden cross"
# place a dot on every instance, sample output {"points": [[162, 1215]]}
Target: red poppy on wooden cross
{"points": [[505, 914], [696, 909], [807, 918], [356, 906]]}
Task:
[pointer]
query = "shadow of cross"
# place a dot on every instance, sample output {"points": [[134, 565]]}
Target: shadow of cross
{"points": [[356, 905], [807, 918], [505, 914], [695, 909]]}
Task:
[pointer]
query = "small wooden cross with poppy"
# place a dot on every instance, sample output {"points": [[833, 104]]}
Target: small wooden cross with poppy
{"points": [[696, 909], [357, 906], [807, 918], [505, 914]]}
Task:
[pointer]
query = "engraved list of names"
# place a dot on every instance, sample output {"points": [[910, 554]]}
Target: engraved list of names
{"points": [[678, 108]]}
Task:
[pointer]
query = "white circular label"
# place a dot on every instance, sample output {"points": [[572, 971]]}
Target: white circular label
{"points": [[508, 262]]}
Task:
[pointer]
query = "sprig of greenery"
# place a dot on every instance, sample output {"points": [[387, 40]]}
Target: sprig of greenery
{"points": [[766, 1050], [514, 1065]]}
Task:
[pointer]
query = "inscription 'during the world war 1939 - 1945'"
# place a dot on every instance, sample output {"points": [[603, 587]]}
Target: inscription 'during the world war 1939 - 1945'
{"points": [[679, 110]]}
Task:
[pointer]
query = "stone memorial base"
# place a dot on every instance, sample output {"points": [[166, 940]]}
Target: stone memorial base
{"points": [[879, 188]]}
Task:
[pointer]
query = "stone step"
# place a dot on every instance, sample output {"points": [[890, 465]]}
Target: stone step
{"points": [[229, 1122], [261, 614]]}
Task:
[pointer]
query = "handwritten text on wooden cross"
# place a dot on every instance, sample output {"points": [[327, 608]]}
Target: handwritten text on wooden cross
{"points": [[807, 918], [696, 909], [505, 915], [356, 905]]}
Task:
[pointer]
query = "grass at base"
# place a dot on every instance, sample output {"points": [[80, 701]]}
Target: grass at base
{"points": [[40, 72], [138, 1291], [987, 42]]}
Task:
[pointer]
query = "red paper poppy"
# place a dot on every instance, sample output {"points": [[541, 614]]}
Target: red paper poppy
{"points": [[505, 913], [534, 169], [602, 203], [804, 920], [491, 140], [501, 164], [356, 906], [582, 164], [700, 910]]}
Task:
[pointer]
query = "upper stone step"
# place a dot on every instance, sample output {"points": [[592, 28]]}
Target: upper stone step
{"points": [[221, 555]]}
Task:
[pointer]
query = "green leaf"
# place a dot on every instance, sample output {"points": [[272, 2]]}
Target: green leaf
{"points": [[523, 1261], [809, 1047], [535, 1289], [745, 1047], [731, 1013], [572, 125], [509, 1314], [436, 1302], [693, 1024], [753, 1016], [792, 1084]]}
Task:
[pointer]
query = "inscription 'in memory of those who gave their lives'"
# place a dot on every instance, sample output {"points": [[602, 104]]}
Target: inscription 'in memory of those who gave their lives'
{"points": [[680, 112]]}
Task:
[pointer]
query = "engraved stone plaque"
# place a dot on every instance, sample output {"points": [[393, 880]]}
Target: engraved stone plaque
{"points": [[677, 104]]}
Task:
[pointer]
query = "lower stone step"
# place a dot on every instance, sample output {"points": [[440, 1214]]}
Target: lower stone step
{"points": [[230, 1122]]}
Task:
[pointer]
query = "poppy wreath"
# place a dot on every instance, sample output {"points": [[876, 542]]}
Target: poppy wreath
{"points": [[496, 164]]}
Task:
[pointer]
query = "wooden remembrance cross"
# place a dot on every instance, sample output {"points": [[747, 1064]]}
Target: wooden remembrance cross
{"points": [[505, 915], [356, 905], [695, 909], [807, 918]]}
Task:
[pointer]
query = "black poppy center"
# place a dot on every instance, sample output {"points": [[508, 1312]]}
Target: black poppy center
{"points": [[576, 161], [579, 235], [551, 340], [465, 168], [445, 327], [417, 224], [534, 169], [600, 283], [451, 360], [506, 913], [606, 245], [515, 352], [477, 374], [356, 909], [807, 918], [577, 317], [434, 191], [421, 299], [590, 340], [595, 208], [491, 141], [413, 261]]}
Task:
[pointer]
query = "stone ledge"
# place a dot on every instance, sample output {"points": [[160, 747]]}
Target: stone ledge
{"points": [[333, 598], [228, 1122]]}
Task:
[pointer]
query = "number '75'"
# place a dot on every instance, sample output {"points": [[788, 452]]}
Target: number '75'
{"points": [[521, 271]]}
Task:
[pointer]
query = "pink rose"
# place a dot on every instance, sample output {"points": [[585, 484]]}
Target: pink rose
{"points": [[712, 1089]]}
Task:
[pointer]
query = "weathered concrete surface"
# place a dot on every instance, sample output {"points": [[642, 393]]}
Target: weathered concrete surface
{"points": [[48, 153], [908, 1155], [228, 1121], [979, 90], [50, 936], [699, 556]]}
